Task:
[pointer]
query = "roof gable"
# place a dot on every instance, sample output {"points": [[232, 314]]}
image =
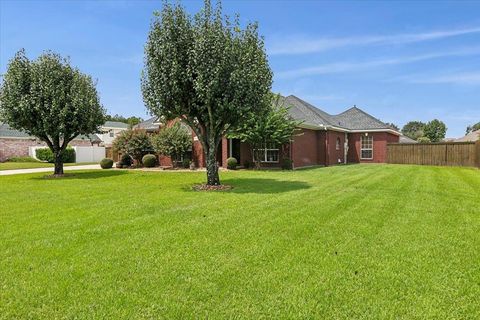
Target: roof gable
{"points": [[351, 119], [357, 119]]}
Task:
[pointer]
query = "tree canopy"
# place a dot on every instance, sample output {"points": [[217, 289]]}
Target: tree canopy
{"points": [[413, 129], [435, 130], [473, 127], [51, 100], [131, 121], [206, 70]]}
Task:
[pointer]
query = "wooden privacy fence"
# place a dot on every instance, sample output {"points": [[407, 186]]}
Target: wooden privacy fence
{"points": [[465, 154], [109, 153]]}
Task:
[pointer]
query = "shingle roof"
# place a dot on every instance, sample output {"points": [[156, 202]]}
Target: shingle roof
{"points": [[357, 119], [149, 124], [304, 111], [352, 119], [405, 139], [7, 132], [472, 136], [115, 124]]}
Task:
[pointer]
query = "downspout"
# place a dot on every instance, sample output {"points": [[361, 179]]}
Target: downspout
{"points": [[326, 147], [345, 149]]}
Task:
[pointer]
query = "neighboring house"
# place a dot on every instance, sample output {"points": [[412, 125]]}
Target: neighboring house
{"points": [[110, 130], [472, 136], [352, 136], [405, 139], [14, 143]]}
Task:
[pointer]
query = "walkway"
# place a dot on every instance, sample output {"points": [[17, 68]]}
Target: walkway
{"points": [[20, 171]]}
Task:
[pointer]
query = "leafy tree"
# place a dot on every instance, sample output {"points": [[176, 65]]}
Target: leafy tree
{"points": [[274, 126], [473, 127], [413, 129], [393, 126], [207, 71], [51, 100], [423, 140], [173, 142], [135, 143], [435, 130]]}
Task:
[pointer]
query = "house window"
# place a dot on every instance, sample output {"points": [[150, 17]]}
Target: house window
{"points": [[269, 154], [337, 146], [111, 134], [366, 148]]}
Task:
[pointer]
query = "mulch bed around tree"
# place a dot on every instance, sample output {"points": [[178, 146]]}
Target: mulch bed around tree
{"points": [[205, 187]]}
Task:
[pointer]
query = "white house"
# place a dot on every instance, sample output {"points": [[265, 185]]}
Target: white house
{"points": [[110, 130]]}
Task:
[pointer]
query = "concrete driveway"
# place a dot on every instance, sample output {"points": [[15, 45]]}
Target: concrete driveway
{"points": [[20, 171]]}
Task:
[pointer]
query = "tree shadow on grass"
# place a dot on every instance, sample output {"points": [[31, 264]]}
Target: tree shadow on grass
{"points": [[264, 186], [75, 175]]}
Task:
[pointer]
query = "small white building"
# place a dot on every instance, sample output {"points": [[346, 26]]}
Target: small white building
{"points": [[110, 130]]}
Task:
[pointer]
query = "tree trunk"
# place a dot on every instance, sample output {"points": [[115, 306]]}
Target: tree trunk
{"points": [[213, 179], [58, 163]]}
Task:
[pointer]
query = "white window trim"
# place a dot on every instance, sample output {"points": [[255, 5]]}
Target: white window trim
{"points": [[265, 151], [366, 149]]}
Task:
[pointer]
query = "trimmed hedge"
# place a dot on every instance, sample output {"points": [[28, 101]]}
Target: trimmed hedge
{"points": [[126, 160], [287, 164], [106, 163], [45, 154], [149, 160], [247, 164], [232, 163], [22, 159]]}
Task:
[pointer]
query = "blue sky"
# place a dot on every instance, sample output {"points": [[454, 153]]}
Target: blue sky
{"points": [[399, 61]]}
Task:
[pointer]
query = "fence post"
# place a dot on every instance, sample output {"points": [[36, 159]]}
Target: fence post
{"points": [[477, 153]]}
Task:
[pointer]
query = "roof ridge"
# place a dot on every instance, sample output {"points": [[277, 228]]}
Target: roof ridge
{"points": [[367, 114]]}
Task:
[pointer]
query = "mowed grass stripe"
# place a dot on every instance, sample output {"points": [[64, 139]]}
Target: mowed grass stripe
{"points": [[360, 241]]}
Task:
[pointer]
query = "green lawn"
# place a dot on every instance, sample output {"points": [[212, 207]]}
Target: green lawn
{"points": [[347, 242], [32, 165]]}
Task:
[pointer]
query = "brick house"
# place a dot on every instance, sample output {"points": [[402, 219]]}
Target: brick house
{"points": [[352, 136], [14, 143]]}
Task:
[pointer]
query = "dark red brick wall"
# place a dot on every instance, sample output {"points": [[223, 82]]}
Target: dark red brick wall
{"points": [[10, 148], [335, 155], [305, 148], [380, 140]]}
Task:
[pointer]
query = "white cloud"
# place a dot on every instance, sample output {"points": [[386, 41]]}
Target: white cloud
{"points": [[341, 67], [292, 45], [465, 78]]}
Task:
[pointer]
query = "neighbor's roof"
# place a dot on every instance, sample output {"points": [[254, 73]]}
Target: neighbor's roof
{"points": [[472, 136], [115, 124], [352, 119], [149, 124], [7, 132], [405, 139]]}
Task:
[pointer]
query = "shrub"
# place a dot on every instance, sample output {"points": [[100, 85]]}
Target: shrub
{"points": [[126, 160], [232, 163], [106, 163], [136, 143], [45, 154], [247, 164], [22, 159], [287, 164], [173, 142], [186, 163], [149, 160]]}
